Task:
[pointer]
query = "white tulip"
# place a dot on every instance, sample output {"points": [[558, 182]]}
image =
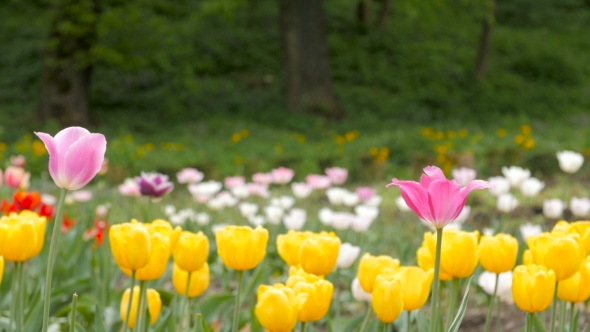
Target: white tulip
{"points": [[295, 219], [248, 210], [342, 220], [301, 189], [527, 230], [285, 202], [358, 293], [207, 189], [347, 255], [48, 199], [273, 214], [227, 199], [454, 224], [531, 187], [176, 219], [488, 231], [202, 218], [516, 175], [336, 195], [570, 161], [240, 192], [501, 185], [464, 215], [553, 208], [215, 204], [325, 215], [360, 224], [401, 204], [257, 220], [216, 228], [487, 281], [368, 212], [102, 210], [81, 195], [506, 203], [374, 201], [350, 199], [464, 175], [580, 207], [169, 210]]}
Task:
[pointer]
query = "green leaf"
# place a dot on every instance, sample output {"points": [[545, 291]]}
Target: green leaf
{"points": [[212, 307], [539, 326], [98, 321], [575, 320], [422, 322], [204, 325], [461, 312]]}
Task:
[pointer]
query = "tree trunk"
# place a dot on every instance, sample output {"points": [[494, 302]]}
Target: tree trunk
{"points": [[484, 44], [383, 12], [67, 67], [306, 58]]}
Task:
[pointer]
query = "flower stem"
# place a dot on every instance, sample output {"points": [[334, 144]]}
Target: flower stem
{"points": [[129, 302], [435, 283], [409, 320], [13, 296], [186, 299], [140, 305], [73, 313], [562, 309], [529, 322], [21, 296], [572, 316], [453, 300], [366, 319], [499, 317], [303, 326], [236, 321], [554, 308], [491, 305], [55, 235]]}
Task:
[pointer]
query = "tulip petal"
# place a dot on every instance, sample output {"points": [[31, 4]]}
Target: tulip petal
{"points": [[443, 199], [65, 138], [83, 160], [415, 196], [51, 147], [431, 173], [475, 185]]}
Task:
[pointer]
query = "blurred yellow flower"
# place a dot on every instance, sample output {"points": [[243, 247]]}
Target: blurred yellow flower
{"points": [[39, 149], [241, 247], [501, 132], [519, 139], [340, 140], [525, 129], [198, 284], [463, 133], [277, 307], [158, 260], [278, 149], [319, 252], [550, 249], [415, 284], [529, 143], [289, 246], [427, 131], [451, 134], [154, 305], [318, 292], [533, 287], [191, 251], [387, 298], [236, 137], [371, 266], [439, 135], [22, 235], [245, 133], [238, 160], [576, 288]]}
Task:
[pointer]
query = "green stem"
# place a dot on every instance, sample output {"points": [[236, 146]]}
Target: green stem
{"points": [[435, 283], [126, 328], [453, 300], [572, 318], [21, 296], [236, 321], [13, 296], [529, 322], [186, 300], [386, 327], [499, 317], [562, 309], [73, 313], [303, 326], [366, 319], [140, 305], [554, 308], [408, 320], [491, 306], [55, 235]]}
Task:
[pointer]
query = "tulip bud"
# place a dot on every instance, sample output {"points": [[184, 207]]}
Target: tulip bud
{"points": [[531, 187], [464, 175], [318, 293], [371, 266], [569, 161], [527, 230], [537, 278], [576, 288], [553, 208], [358, 293], [487, 281], [289, 246], [191, 251], [549, 250], [347, 255], [277, 307], [498, 253], [22, 235], [158, 260], [501, 185], [241, 247], [319, 253], [580, 207], [198, 283], [387, 298], [516, 175], [130, 245], [154, 304], [415, 284], [506, 203]]}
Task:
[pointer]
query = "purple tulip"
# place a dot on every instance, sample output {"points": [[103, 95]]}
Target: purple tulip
{"points": [[154, 184], [75, 156]]}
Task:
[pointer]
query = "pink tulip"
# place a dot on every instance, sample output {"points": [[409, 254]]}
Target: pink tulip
{"points": [[75, 156], [365, 193], [257, 189], [464, 175], [318, 181], [337, 175], [282, 175], [129, 188], [436, 199], [16, 177], [18, 161], [189, 175], [234, 181], [263, 178]]}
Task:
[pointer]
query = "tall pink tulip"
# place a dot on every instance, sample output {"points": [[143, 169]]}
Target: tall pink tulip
{"points": [[436, 199], [75, 156]]}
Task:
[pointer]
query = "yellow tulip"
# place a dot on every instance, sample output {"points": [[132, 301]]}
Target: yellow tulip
{"points": [[459, 253], [561, 253], [277, 307], [561, 227], [576, 288], [21, 235], [371, 266], [289, 246], [582, 228], [527, 257], [498, 253], [198, 284], [533, 287], [158, 260], [318, 292], [191, 251], [241, 247], [387, 298], [130, 245], [319, 253], [154, 304], [415, 284], [165, 228], [1, 268], [426, 253]]}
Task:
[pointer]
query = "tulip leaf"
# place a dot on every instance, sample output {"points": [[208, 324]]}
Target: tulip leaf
{"points": [[461, 312], [422, 322], [353, 324], [215, 305], [204, 326], [98, 322], [539, 326], [574, 326]]}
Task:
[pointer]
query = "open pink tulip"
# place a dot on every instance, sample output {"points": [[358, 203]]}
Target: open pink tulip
{"points": [[436, 199], [75, 156]]}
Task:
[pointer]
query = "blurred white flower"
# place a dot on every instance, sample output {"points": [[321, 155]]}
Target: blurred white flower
{"points": [[129, 188], [531, 187], [501, 185], [368, 212], [488, 231], [240, 192], [342, 220], [570, 161], [54, 327], [528, 229], [215, 204], [69, 200], [358, 293], [464, 215], [258, 189], [49, 199], [257, 220], [336, 195], [325, 215], [227, 199], [350, 199], [81, 195], [295, 219], [248, 210], [274, 214], [169, 210], [102, 210], [205, 189], [285, 202], [189, 175], [374, 201], [347, 255], [464, 175], [580, 207], [516, 175], [360, 224], [553, 208], [300, 189], [487, 281], [506, 203], [218, 227], [401, 204], [453, 224], [176, 219], [202, 218]]}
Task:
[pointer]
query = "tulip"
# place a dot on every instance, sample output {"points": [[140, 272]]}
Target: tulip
{"points": [[531, 187], [198, 284], [202, 218], [295, 219], [337, 175], [580, 207], [301, 190], [371, 266], [248, 209], [360, 224], [26, 201], [289, 246], [350, 199], [387, 298], [277, 307], [189, 175], [164, 228], [82, 195], [527, 257], [342, 220], [501, 185], [459, 254], [284, 202], [527, 230], [365, 193], [325, 215], [516, 175], [415, 284], [464, 175], [400, 202], [154, 304], [498, 253], [549, 250], [347, 255], [16, 177], [158, 260], [130, 245], [262, 178], [257, 221], [582, 228], [240, 192], [274, 214], [506, 203], [319, 253], [358, 293], [22, 235], [240, 247], [282, 175], [318, 293], [318, 181], [487, 281], [553, 208], [234, 181], [129, 188], [154, 184], [204, 189], [18, 161], [569, 161], [576, 288], [191, 251], [1, 268], [336, 195], [425, 258], [533, 287], [75, 156], [257, 189], [374, 201]]}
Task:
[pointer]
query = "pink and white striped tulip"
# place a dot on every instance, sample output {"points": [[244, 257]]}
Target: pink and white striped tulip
{"points": [[16, 177], [75, 156]]}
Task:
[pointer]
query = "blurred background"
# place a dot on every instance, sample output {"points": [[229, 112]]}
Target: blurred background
{"points": [[380, 87]]}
